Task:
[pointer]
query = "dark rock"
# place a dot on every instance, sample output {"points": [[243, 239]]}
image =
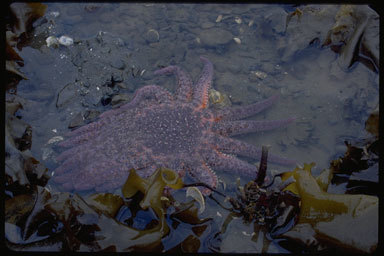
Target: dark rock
{"points": [[91, 115], [66, 95], [119, 98], [117, 77], [118, 63], [105, 100], [76, 121]]}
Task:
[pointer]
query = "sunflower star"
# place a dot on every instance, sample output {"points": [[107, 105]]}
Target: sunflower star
{"points": [[158, 129]]}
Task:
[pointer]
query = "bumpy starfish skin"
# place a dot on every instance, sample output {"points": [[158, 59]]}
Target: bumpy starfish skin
{"points": [[158, 129]]}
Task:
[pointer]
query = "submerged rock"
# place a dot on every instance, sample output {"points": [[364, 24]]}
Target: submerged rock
{"points": [[152, 36], [215, 36]]}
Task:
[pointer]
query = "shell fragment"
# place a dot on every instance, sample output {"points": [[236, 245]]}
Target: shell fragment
{"points": [[195, 193], [65, 40], [55, 42]]}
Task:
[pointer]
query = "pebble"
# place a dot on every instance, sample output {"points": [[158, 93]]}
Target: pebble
{"points": [[91, 114], [54, 14], [117, 77], [76, 121], [238, 20], [218, 99], [215, 36], [237, 40], [119, 98], [152, 36], [52, 41], [118, 63], [67, 95], [257, 75]]}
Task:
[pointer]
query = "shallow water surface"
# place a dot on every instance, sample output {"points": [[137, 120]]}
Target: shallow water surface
{"points": [[255, 54]]}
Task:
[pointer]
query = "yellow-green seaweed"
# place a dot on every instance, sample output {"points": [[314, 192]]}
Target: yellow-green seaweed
{"points": [[152, 188], [350, 221]]}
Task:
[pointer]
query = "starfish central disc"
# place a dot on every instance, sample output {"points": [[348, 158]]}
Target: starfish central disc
{"points": [[171, 130]]}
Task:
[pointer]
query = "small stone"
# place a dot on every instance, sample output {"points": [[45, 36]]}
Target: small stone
{"points": [[119, 98], [215, 36], [65, 40], [67, 95], [91, 114], [257, 75], [152, 36], [237, 40], [52, 41], [238, 20], [105, 100], [54, 14], [76, 121], [122, 86], [117, 77], [118, 63], [218, 99], [92, 7]]}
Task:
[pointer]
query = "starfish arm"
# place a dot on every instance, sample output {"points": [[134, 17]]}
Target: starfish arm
{"points": [[200, 94], [79, 139], [231, 128], [98, 175], [220, 161], [70, 153], [231, 146], [94, 126], [156, 92], [63, 178], [184, 82], [68, 186], [81, 180], [205, 174], [64, 167], [116, 178], [240, 112]]}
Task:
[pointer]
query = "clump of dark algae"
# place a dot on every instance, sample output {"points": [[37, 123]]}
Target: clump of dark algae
{"points": [[265, 204], [359, 164], [295, 210], [19, 20], [22, 169], [144, 220]]}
